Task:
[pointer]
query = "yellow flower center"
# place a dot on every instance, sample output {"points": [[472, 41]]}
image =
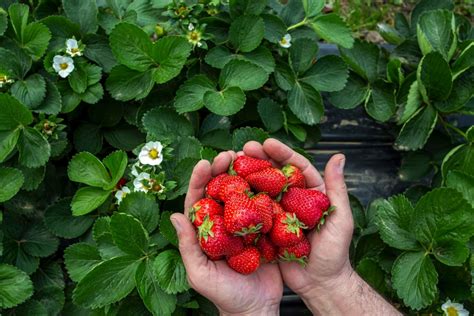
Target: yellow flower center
{"points": [[283, 41], [452, 311], [74, 50], [181, 10], [63, 66], [194, 36], [3, 78], [154, 153]]}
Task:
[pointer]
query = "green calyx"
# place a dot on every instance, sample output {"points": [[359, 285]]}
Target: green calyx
{"points": [[293, 224], [288, 170], [290, 257], [252, 229], [331, 209], [205, 230], [192, 212], [231, 170]]}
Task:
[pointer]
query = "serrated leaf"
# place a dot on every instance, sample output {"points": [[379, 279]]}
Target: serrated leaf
{"points": [[143, 207], [103, 238], [35, 177], [115, 278], [11, 180], [88, 199], [464, 61], [312, 7], [116, 163], [363, 58], [129, 235], [371, 272], [170, 54], [242, 7], [328, 74], [451, 253], [284, 76], [181, 174], [38, 241], [80, 259], [306, 103], [417, 129], [461, 93], [275, 28], [31, 91], [390, 34], [15, 286], [242, 74], [415, 165], [436, 32], [52, 102], [167, 229], [242, 135], [13, 113], [82, 12], [98, 50], [3, 22], [353, 94], [49, 274], [434, 77], [61, 29], [59, 220], [52, 298], [413, 103], [86, 168], [428, 5], [162, 122], [333, 29], [415, 278], [125, 84], [463, 183], [459, 158], [271, 114], [35, 39], [34, 149], [15, 64], [88, 137], [187, 147], [381, 105], [18, 17], [246, 32], [302, 54], [393, 219], [226, 102], [124, 137], [155, 299], [78, 79], [170, 272], [190, 95]]}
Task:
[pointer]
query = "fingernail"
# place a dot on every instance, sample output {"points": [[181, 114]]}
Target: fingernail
{"points": [[340, 167], [176, 224]]}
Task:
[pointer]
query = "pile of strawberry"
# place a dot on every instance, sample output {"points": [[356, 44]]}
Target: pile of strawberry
{"points": [[248, 227]]}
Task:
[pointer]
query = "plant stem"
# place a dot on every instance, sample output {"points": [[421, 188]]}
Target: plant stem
{"points": [[452, 127], [294, 26]]}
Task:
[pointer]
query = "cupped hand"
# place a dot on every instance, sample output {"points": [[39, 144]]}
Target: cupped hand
{"points": [[256, 294]]}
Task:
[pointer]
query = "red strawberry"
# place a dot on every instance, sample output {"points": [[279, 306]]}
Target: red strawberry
{"points": [[245, 165], [267, 249], [121, 183], [264, 205], [241, 216], [215, 241], [308, 205], [231, 185], [215, 258], [277, 209], [202, 208], [214, 186], [270, 180], [235, 245], [245, 262], [251, 239], [287, 230], [298, 252], [294, 176]]}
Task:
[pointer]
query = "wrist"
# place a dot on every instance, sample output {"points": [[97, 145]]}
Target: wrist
{"points": [[267, 309]]}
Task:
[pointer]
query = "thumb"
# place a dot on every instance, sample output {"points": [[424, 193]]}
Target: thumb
{"points": [[193, 257]]}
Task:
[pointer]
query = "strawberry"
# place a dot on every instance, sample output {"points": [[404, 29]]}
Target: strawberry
{"points": [[270, 180], [235, 245], [216, 258], [294, 176], [267, 249], [215, 241], [231, 185], [287, 230], [203, 207], [245, 165], [298, 252], [214, 186], [245, 262], [308, 205], [251, 239], [276, 207], [264, 205], [241, 216]]}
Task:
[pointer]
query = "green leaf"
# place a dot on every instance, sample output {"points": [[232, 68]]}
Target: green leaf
{"points": [[463, 183], [116, 164], [353, 94], [242, 135], [84, 13], [306, 103], [415, 165], [88, 199], [143, 207], [226, 102], [170, 272], [414, 277], [18, 17], [443, 214], [332, 28], [417, 129], [52, 102], [434, 77], [312, 7], [275, 28], [413, 103], [393, 219], [15, 64], [246, 32], [86, 168], [170, 54], [11, 180], [103, 238], [80, 259], [13, 113], [461, 93], [302, 53], [464, 61], [35, 177], [59, 220], [459, 158], [190, 95], [49, 274], [78, 79], [3, 22], [115, 278], [125, 84], [182, 173], [155, 299], [260, 56], [52, 298], [436, 32], [381, 106], [284, 76], [271, 114], [15, 286], [218, 57], [428, 5], [88, 137], [129, 234], [35, 40], [38, 241], [390, 34], [187, 147], [98, 50], [371, 272], [124, 137], [167, 229], [451, 253], [61, 29], [30, 91], [162, 122], [241, 7], [328, 74], [242, 74], [33, 147], [363, 58]]}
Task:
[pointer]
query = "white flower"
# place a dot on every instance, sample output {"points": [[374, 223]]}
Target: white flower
{"points": [[151, 154], [63, 65], [142, 182], [454, 309], [190, 27], [4, 80], [72, 48], [134, 169], [285, 41], [120, 194]]}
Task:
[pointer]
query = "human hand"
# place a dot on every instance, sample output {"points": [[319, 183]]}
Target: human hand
{"points": [[256, 294]]}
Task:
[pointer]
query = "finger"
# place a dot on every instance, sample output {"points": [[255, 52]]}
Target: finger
{"points": [[283, 155], [221, 162], [255, 149], [193, 257], [197, 184]]}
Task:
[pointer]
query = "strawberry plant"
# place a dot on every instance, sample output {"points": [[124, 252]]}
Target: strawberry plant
{"points": [[106, 106]]}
